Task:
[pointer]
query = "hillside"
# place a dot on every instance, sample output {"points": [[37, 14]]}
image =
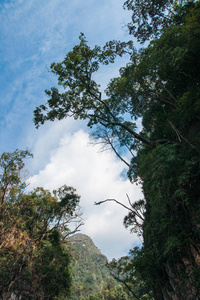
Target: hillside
{"points": [[89, 271]]}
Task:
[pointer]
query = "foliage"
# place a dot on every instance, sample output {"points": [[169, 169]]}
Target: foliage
{"points": [[125, 272], [34, 264], [160, 87], [91, 278], [89, 274], [150, 18]]}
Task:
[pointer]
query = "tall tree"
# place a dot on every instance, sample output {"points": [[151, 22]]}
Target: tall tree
{"points": [[34, 263], [161, 87]]}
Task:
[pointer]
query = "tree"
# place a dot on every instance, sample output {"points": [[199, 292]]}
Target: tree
{"points": [[123, 270], [160, 86], [11, 167], [150, 18], [34, 262]]}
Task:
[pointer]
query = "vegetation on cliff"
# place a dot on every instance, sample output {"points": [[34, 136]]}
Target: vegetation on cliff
{"points": [[89, 270]]}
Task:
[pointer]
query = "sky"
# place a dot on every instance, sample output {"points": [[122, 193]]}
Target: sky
{"points": [[33, 34]]}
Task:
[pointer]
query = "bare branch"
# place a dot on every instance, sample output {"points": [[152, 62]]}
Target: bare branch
{"points": [[71, 232], [107, 200], [179, 135]]}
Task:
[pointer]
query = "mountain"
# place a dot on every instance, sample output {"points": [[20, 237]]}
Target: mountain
{"points": [[89, 270]]}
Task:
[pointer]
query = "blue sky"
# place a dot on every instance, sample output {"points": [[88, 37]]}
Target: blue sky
{"points": [[33, 34]]}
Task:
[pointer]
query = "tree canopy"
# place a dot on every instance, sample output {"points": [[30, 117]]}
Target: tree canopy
{"points": [[149, 18]]}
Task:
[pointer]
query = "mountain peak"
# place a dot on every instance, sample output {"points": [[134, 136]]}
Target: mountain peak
{"points": [[80, 240], [89, 272]]}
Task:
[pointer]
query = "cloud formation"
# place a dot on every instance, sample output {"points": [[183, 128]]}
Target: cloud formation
{"points": [[96, 177]]}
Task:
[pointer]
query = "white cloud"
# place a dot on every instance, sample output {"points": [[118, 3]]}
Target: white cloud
{"points": [[96, 176]]}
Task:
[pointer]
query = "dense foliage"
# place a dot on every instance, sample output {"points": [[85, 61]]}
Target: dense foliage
{"points": [[89, 270], [161, 88], [123, 271], [91, 278], [34, 263]]}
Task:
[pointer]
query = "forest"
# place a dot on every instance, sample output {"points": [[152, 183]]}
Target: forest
{"points": [[151, 110]]}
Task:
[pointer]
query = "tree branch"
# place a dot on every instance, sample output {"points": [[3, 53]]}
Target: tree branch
{"points": [[127, 286], [137, 136]]}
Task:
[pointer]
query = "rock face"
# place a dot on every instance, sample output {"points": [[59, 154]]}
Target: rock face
{"points": [[181, 281], [89, 270]]}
